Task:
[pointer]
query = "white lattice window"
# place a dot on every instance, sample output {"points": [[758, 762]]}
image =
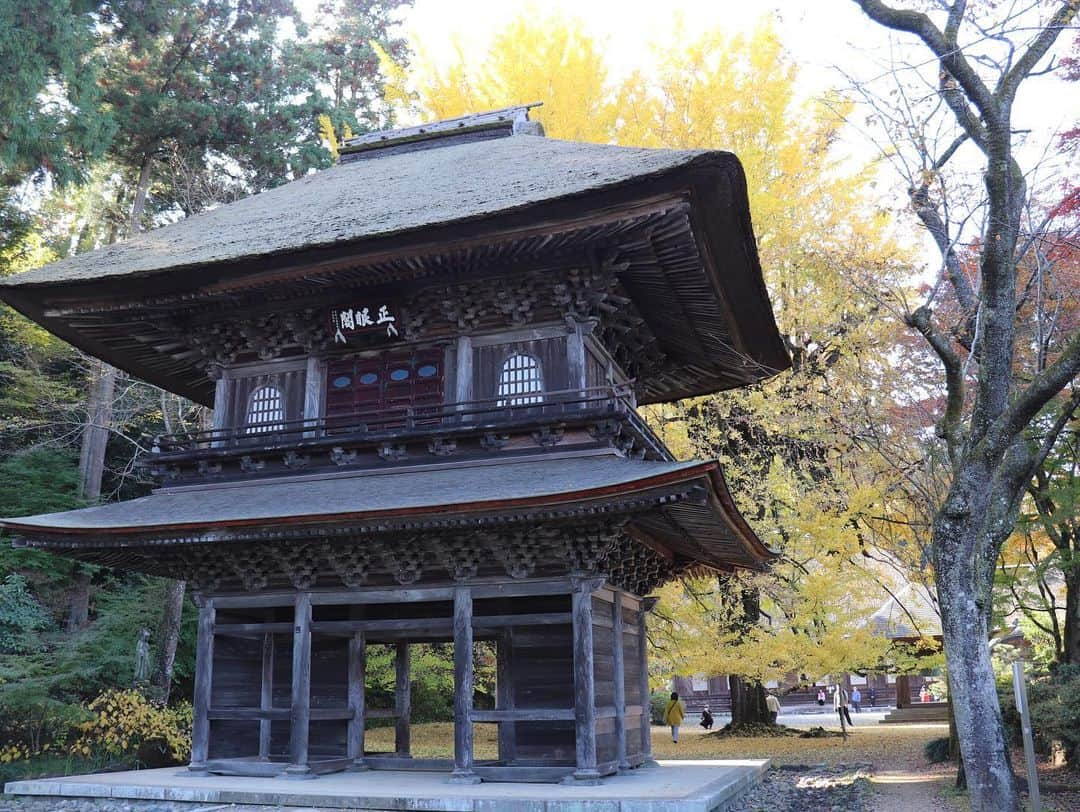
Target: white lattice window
{"points": [[520, 381], [266, 410]]}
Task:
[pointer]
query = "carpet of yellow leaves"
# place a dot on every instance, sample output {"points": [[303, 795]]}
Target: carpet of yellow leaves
{"points": [[884, 746]]}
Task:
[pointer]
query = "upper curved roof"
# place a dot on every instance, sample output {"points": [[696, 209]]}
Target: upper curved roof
{"points": [[375, 198], [680, 220]]}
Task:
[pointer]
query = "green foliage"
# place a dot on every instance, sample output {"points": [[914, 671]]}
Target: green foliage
{"points": [[22, 618], [657, 703], [51, 118], [937, 750], [1054, 702]]}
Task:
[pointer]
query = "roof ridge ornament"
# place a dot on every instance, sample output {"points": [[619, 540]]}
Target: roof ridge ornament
{"points": [[501, 123]]}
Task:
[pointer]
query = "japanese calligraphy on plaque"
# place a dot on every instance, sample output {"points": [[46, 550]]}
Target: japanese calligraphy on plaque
{"points": [[347, 321]]}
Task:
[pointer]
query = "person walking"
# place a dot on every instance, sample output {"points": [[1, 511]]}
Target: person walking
{"points": [[873, 697], [673, 715], [856, 699], [772, 704], [840, 705]]}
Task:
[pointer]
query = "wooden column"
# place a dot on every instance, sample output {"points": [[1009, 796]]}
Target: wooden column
{"points": [[575, 357], [266, 694], [619, 667], [402, 699], [463, 370], [314, 379], [646, 695], [357, 700], [584, 680], [903, 691], [504, 695], [301, 690], [220, 415], [463, 688], [204, 676]]}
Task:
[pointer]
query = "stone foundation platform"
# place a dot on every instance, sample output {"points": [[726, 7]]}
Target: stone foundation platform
{"points": [[677, 786]]}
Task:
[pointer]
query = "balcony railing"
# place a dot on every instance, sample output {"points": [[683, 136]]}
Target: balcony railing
{"points": [[403, 422]]}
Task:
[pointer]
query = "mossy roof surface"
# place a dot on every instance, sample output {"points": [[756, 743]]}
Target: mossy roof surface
{"points": [[376, 197]]}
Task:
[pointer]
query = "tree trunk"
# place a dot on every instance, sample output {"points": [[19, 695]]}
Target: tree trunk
{"points": [[79, 604], [95, 439], [168, 637], [1071, 572], [747, 698], [138, 205], [747, 702], [977, 712]]}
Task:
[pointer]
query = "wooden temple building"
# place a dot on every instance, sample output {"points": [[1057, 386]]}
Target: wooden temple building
{"points": [[424, 366]]}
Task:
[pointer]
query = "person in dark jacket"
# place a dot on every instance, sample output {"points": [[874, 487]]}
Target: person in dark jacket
{"points": [[706, 719]]}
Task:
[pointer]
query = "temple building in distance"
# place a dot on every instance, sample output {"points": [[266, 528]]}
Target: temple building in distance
{"points": [[425, 365]]}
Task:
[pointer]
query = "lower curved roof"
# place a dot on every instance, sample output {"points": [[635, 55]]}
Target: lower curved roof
{"points": [[698, 520]]}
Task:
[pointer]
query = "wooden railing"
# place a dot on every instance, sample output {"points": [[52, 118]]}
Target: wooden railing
{"points": [[411, 420]]}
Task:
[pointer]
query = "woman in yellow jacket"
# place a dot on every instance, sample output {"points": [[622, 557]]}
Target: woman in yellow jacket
{"points": [[673, 715]]}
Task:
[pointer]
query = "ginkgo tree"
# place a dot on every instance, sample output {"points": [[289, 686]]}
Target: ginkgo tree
{"points": [[789, 446]]}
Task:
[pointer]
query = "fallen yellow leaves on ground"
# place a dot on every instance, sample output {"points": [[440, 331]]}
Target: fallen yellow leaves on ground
{"points": [[884, 746]]}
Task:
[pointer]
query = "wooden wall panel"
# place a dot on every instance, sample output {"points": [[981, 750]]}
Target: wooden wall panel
{"points": [[329, 672], [488, 360], [237, 672], [233, 738], [547, 743], [328, 739]]}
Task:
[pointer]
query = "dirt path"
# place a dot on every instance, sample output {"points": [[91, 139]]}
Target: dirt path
{"points": [[925, 788]]}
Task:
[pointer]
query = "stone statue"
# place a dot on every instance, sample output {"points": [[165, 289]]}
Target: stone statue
{"points": [[142, 657]]}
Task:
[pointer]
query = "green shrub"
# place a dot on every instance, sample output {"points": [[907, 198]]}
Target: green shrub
{"points": [[937, 750], [126, 726], [657, 704], [22, 618], [1054, 701]]}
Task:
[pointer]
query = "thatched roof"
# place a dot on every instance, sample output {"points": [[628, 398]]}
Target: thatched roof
{"points": [[368, 199]]}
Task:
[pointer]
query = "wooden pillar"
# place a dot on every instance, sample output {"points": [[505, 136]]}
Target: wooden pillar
{"points": [[204, 676], [463, 370], [300, 716], [402, 699], [313, 386], [266, 694], [903, 691], [357, 700], [463, 688], [504, 695], [220, 416], [618, 666], [646, 695], [584, 680]]}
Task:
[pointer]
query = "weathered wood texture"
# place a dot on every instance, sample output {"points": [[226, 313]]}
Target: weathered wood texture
{"points": [[504, 695], [463, 685], [301, 686], [402, 699], [266, 693], [357, 698], [550, 353], [618, 673], [584, 683], [204, 674]]}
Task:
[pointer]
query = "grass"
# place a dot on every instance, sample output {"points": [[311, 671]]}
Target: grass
{"points": [[877, 744]]}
